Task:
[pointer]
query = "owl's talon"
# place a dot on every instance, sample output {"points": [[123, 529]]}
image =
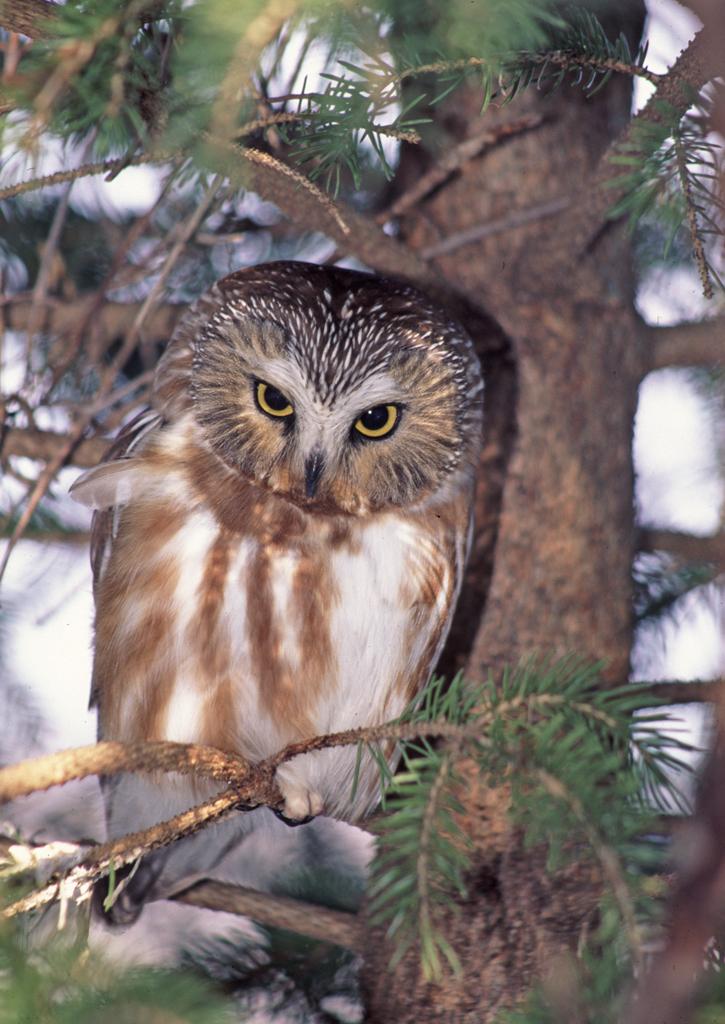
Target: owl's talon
{"points": [[293, 822], [300, 805]]}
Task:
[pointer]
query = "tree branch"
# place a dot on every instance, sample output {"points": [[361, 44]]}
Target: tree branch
{"points": [[454, 159], [113, 319], [676, 692], [318, 922], [698, 64], [353, 233], [99, 859], [108, 756], [26, 16], [45, 445], [83, 171], [686, 546], [686, 344]]}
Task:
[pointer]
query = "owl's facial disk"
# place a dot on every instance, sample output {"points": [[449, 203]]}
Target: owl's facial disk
{"points": [[345, 437], [316, 446]]}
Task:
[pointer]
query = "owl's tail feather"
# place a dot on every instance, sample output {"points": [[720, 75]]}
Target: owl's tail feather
{"points": [[121, 901]]}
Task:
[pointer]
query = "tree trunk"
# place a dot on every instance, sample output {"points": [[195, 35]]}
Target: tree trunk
{"points": [[555, 536]]}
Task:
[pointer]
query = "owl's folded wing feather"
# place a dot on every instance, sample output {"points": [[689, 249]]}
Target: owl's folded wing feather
{"points": [[111, 484]]}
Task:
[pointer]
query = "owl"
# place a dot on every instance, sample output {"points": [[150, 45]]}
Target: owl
{"points": [[278, 543]]}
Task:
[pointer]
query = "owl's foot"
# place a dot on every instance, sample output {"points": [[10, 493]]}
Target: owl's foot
{"points": [[300, 804], [292, 822]]}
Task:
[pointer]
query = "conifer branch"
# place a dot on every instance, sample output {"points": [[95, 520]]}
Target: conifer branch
{"points": [[105, 167], [608, 859], [698, 64], [98, 860], [698, 248]]}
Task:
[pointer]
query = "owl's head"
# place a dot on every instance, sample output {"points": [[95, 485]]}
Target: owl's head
{"points": [[336, 389]]}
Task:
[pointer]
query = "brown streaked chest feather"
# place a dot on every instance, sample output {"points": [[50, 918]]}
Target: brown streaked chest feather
{"points": [[225, 609]]}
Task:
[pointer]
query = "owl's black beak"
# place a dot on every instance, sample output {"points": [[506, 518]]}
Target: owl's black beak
{"points": [[314, 465]]}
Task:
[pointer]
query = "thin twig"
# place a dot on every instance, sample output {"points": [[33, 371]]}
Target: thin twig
{"points": [[99, 859], [698, 249], [50, 248], [574, 60], [83, 171], [552, 56], [109, 375]]}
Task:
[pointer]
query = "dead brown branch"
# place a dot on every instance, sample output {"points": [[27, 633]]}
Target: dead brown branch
{"points": [[83, 171], [99, 859], [45, 445], [317, 922], [113, 319]]}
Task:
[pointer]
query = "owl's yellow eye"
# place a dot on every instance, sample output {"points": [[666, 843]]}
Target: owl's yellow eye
{"points": [[378, 422], [271, 401]]}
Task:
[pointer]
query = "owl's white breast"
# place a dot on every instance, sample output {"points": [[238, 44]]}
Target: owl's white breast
{"points": [[272, 635]]}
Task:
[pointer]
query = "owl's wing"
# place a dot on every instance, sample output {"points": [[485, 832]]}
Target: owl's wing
{"points": [[108, 486], [111, 483]]}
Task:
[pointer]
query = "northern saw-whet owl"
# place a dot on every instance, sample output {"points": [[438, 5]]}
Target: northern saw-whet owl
{"points": [[279, 542]]}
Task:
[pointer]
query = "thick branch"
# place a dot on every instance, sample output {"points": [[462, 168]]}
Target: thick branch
{"points": [[254, 781], [675, 692], [686, 546], [45, 445], [113, 320], [353, 233], [337, 926], [687, 344]]}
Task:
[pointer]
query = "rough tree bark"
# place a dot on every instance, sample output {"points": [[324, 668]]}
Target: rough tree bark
{"points": [[556, 535]]}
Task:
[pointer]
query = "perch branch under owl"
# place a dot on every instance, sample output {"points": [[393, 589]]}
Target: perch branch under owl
{"points": [[252, 785]]}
